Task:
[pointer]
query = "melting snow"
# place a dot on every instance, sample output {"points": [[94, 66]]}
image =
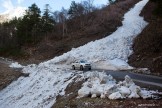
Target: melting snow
{"points": [[103, 86], [16, 65], [38, 90], [49, 79], [113, 51]]}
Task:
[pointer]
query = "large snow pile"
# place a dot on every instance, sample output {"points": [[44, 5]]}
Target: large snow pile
{"points": [[39, 90], [49, 79], [103, 86], [113, 51]]}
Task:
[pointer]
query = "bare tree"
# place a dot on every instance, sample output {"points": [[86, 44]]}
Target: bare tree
{"points": [[56, 16], [90, 5], [63, 15]]}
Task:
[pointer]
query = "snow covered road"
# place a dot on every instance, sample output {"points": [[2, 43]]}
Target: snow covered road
{"points": [[50, 79]]}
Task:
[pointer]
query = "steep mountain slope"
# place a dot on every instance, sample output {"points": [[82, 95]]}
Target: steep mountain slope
{"points": [[113, 51], [49, 48], [50, 79], [98, 24]]}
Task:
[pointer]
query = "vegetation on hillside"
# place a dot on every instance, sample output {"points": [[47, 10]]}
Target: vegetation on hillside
{"points": [[148, 45], [35, 26], [57, 32], [24, 31]]}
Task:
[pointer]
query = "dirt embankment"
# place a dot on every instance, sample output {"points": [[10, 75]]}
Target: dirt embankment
{"points": [[7, 75], [147, 46]]}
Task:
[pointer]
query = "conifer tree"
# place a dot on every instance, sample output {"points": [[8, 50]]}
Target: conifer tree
{"points": [[29, 27], [48, 21]]}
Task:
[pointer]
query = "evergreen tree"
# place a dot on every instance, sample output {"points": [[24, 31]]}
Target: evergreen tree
{"points": [[29, 26], [8, 39], [47, 20]]}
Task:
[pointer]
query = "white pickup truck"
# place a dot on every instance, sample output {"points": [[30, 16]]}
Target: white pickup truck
{"points": [[81, 65]]}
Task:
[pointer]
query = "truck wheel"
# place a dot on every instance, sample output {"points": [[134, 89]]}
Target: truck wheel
{"points": [[81, 67], [73, 67], [89, 68]]}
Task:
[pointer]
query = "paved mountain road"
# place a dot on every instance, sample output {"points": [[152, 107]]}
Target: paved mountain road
{"points": [[148, 79]]}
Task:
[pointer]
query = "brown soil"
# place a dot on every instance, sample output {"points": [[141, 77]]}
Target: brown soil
{"points": [[105, 103], [71, 93], [7, 75], [147, 46]]}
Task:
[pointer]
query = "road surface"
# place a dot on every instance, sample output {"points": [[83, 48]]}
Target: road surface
{"points": [[148, 79]]}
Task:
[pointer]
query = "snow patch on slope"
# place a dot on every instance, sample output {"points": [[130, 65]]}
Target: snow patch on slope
{"points": [[113, 51], [49, 79], [39, 90]]}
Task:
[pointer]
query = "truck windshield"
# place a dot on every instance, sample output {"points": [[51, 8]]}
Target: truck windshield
{"points": [[82, 62]]}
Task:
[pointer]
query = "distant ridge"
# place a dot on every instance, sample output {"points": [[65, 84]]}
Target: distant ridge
{"points": [[10, 14]]}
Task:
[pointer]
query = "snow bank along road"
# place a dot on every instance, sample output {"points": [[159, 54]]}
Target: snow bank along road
{"points": [[105, 86], [50, 79], [148, 79]]}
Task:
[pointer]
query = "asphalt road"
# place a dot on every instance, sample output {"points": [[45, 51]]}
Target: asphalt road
{"points": [[148, 79]]}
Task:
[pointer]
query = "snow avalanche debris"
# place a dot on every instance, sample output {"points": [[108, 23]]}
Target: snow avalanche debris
{"points": [[49, 79], [16, 65], [95, 87]]}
